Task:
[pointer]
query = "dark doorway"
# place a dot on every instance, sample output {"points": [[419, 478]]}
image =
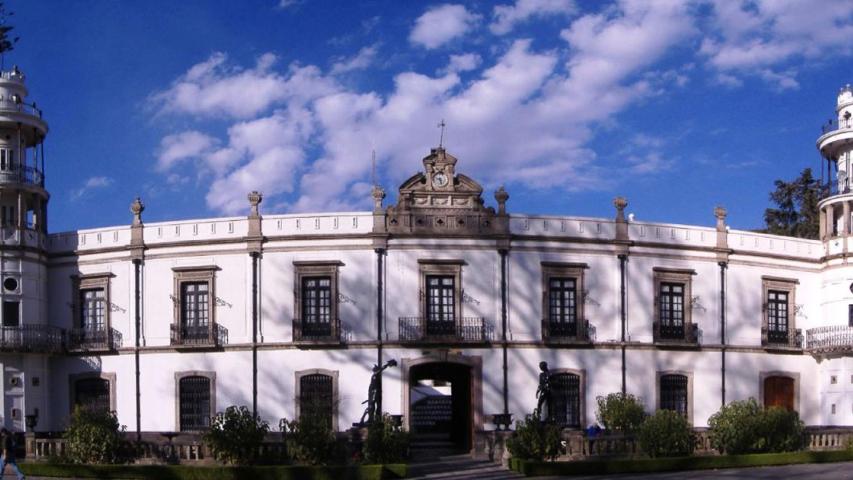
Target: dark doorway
{"points": [[779, 392], [440, 403]]}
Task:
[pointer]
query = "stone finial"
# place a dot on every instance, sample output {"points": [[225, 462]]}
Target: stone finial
{"points": [[720, 213], [501, 196], [255, 199], [620, 203], [378, 194], [136, 208]]}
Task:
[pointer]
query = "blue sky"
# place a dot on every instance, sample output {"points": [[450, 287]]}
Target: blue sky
{"points": [[678, 106]]}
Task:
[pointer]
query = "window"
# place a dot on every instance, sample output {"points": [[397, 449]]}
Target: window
{"points": [[316, 394], [92, 309], [194, 314], [562, 303], [92, 394], [833, 408], [196, 400], [93, 391], [675, 392], [566, 395], [8, 216], [780, 389], [440, 305], [833, 379], [441, 296], [671, 310], [850, 315], [7, 159], [317, 306], [11, 313], [673, 303], [315, 315], [777, 324]]}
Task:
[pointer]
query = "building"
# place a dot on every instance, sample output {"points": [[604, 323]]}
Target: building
{"points": [[167, 323]]}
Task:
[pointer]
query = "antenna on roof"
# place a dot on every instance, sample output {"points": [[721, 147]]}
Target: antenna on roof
{"points": [[373, 169], [441, 125]]}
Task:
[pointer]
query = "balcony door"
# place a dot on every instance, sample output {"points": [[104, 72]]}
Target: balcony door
{"points": [[440, 305]]}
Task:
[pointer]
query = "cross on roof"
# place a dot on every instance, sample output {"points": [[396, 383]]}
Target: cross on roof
{"points": [[441, 125]]}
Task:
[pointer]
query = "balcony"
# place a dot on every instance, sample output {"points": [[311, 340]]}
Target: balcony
{"points": [[318, 333], [568, 332], [23, 175], [32, 338], [202, 336], [464, 330], [94, 340], [782, 340], [684, 334], [830, 339]]}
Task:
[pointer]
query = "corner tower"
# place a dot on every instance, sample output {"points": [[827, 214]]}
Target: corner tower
{"points": [[25, 338]]}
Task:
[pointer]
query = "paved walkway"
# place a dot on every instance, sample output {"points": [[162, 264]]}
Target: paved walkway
{"points": [[810, 471]]}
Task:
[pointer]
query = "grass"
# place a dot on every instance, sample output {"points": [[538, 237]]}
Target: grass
{"points": [[185, 472], [603, 467]]}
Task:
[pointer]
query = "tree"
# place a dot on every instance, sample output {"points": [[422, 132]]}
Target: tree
{"points": [[797, 214], [7, 43]]}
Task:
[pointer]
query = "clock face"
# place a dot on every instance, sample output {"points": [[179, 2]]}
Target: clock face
{"points": [[439, 180]]}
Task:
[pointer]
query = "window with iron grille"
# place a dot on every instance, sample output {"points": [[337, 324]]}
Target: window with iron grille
{"points": [[562, 306], [777, 315], [92, 394], [441, 304], [92, 309], [316, 396], [194, 304], [317, 306], [671, 300], [673, 393], [195, 403], [566, 399]]}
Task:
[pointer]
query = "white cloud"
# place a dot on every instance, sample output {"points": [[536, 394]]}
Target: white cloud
{"points": [[92, 183], [442, 24], [763, 37], [284, 4], [183, 146], [507, 16], [525, 117], [360, 61], [464, 62]]}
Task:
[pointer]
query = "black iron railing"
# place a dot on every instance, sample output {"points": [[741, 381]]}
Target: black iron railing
{"points": [[317, 331], [464, 330], [26, 175], [829, 339], [32, 338], [213, 335], [581, 331], [782, 338], [94, 339], [671, 333]]}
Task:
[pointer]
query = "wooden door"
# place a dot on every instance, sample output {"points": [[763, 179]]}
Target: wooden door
{"points": [[779, 391]]}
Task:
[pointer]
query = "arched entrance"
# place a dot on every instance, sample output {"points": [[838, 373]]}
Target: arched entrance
{"points": [[442, 399]]}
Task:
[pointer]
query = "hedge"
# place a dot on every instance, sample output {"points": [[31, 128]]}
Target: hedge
{"points": [[601, 467], [185, 472]]}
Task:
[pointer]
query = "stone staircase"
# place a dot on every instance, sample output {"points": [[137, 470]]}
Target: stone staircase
{"points": [[459, 466]]}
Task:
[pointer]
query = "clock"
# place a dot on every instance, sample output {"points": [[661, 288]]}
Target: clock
{"points": [[439, 179]]}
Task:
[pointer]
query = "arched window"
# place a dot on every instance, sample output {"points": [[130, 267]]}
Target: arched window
{"points": [[673, 393], [566, 399], [316, 396], [195, 403], [92, 394]]}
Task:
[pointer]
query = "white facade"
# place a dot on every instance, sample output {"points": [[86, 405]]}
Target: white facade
{"points": [[622, 277]]}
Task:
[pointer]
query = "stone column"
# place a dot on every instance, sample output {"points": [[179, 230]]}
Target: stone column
{"points": [[830, 220], [822, 231], [845, 222]]}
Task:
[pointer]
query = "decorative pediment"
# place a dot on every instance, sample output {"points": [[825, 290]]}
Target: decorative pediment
{"points": [[438, 201]]}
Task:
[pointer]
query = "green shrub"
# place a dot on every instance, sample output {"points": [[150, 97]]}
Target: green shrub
{"points": [[667, 434], [384, 443], [620, 412], [95, 436], [535, 440], [311, 440], [745, 427], [235, 435], [782, 430]]}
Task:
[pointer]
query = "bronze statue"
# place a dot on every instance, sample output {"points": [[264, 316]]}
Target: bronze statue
{"points": [[543, 393], [371, 413]]}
